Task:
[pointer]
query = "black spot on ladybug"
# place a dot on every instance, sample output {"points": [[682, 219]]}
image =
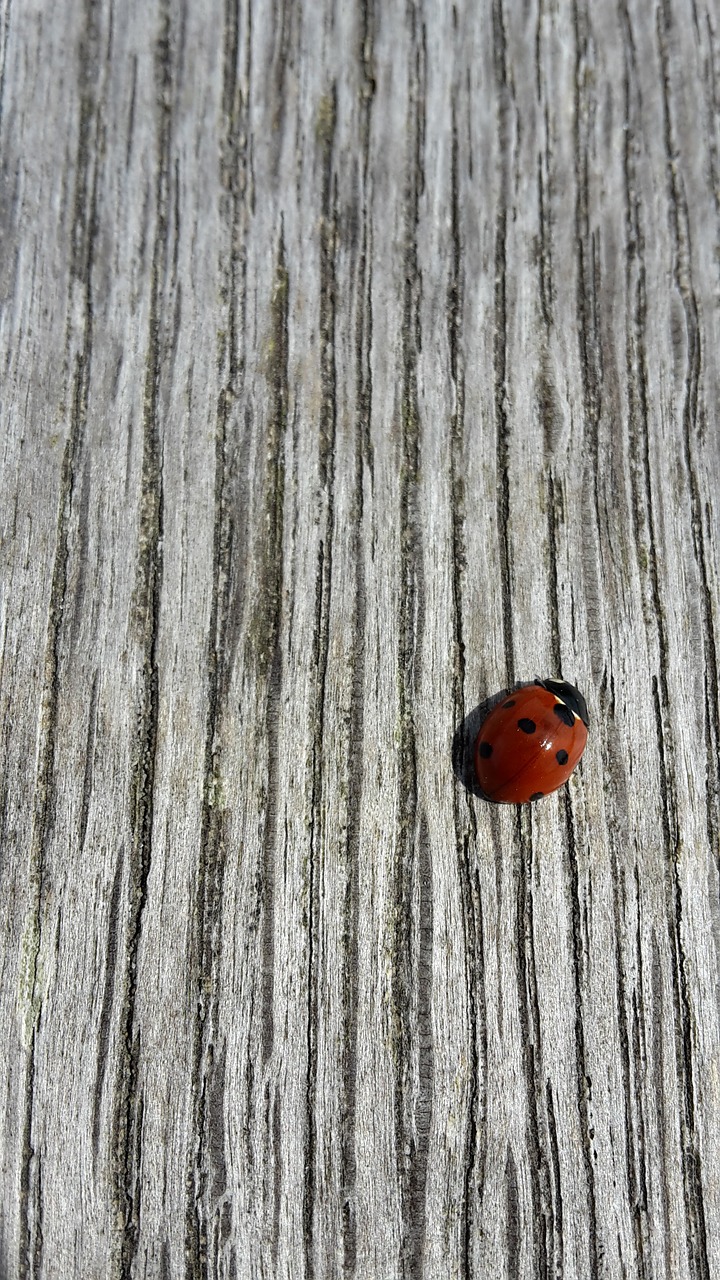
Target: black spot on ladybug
{"points": [[510, 703], [564, 713], [561, 757], [537, 795], [485, 750], [527, 726]]}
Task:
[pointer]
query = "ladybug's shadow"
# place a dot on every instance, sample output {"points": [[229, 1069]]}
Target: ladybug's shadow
{"points": [[463, 747]]}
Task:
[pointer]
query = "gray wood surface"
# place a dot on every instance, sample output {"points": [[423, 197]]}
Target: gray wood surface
{"points": [[358, 361]]}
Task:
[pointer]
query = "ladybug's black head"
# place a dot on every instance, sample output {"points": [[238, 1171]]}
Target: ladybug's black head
{"points": [[568, 694]]}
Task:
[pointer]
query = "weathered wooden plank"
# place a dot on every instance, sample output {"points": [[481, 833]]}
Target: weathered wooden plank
{"points": [[357, 363]]}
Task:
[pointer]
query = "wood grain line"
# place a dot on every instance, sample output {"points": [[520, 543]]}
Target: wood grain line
{"points": [[128, 1100], [107, 1001], [210, 854], [582, 1080], [455, 302], [634, 1137], [423, 1101], [640, 1057], [87, 784], [545, 262], [553, 583], [325, 136], [476, 1141], [585, 241], [354, 769], [30, 1234], [558, 1244], [529, 1014], [500, 344], [406, 995]]}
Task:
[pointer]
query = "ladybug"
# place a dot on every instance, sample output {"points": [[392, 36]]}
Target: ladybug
{"points": [[530, 743]]}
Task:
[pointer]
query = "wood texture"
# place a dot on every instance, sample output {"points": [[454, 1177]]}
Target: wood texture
{"points": [[358, 361]]}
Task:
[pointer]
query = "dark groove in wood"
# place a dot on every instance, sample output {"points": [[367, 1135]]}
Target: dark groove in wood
{"points": [[636, 1152], [366, 59], [77, 605], [640, 1208], [351, 926], [27, 1242], [354, 768], [202, 957], [587, 301], [512, 1216], [529, 1014], [549, 1158], [454, 308], [537, 51], [128, 1103], [262, 636], [423, 1103], [3, 61], [553, 584], [267, 885], [583, 1082], [557, 1265], [311, 912], [364, 339], [545, 261], [656, 1024], [591, 372], [631, 1157], [325, 136], [476, 1146], [88, 770], [635, 354], [132, 99], [409, 639], [165, 1269], [462, 819], [84, 227], [39, 1243], [107, 1001], [276, 1110], [275, 74], [500, 342]]}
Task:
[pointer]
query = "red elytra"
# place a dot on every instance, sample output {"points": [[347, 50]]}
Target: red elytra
{"points": [[530, 742]]}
